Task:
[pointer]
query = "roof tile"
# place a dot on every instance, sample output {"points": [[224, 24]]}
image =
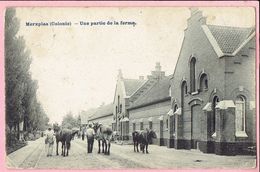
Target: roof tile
{"points": [[131, 85], [158, 92], [229, 38]]}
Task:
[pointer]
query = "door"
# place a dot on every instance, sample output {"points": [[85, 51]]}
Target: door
{"points": [[195, 125]]}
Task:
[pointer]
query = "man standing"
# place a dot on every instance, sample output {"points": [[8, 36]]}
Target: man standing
{"points": [[90, 137], [49, 141]]}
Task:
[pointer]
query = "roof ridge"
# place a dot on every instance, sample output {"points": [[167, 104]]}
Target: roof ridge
{"points": [[234, 27], [134, 79]]}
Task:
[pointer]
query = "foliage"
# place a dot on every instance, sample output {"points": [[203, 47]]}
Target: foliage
{"points": [[22, 105], [69, 121]]}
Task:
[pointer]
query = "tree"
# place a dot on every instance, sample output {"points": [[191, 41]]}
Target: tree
{"points": [[17, 65], [22, 106], [69, 121]]}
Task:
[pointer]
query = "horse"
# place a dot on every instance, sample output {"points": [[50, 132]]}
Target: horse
{"points": [[64, 136], [104, 135], [143, 138]]}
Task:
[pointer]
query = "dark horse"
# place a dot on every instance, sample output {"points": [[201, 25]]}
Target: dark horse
{"points": [[143, 138], [64, 136], [104, 135]]}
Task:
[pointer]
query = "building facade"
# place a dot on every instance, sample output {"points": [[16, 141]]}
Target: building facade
{"points": [[213, 89], [209, 101], [150, 109], [124, 90]]}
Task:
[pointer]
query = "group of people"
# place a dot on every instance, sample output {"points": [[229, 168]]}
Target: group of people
{"points": [[50, 136]]}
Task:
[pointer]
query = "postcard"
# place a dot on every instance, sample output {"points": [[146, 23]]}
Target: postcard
{"points": [[106, 86]]}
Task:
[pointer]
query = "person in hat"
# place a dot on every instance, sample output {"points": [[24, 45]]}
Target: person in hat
{"points": [[90, 137], [49, 141]]}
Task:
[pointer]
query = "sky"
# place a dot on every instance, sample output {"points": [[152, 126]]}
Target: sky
{"points": [[76, 66]]}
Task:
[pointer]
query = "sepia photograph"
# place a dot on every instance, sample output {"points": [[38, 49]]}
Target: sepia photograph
{"points": [[130, 87]]}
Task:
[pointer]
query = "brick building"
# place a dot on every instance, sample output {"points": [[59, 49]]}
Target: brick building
{"points": [[150, 105], [213, 89], [124, 90]]}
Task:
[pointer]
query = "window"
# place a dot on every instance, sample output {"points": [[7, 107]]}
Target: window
{"points": [[213, 120], [133, 126], [167, 123], [141, 125], [120, 109], [184, 88], [203, 82], [150, 125], [116, 109], [173, 118], [118, 102], [183, 93], [192, 74], [240, 113]]}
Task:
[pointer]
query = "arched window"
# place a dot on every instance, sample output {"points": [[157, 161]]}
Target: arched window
{"points": [[118, 103], [213, 120], [120, 108], [203, 82], [240, 113], [183, 92], [174, 110], [192, 74], [167, 124]]}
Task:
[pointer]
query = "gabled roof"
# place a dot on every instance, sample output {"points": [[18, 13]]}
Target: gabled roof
{"points": [[131, 85], [228, 40], [159, 92], [103, 111], [84, 115]]}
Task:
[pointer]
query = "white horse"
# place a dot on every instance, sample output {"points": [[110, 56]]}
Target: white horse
{"points": [[104, 136]]}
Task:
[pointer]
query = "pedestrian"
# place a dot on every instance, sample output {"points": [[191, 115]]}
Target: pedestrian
{"points": [[90, 138], [49, 141], [83, 133]]}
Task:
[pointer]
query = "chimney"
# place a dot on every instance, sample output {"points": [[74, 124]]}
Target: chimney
{"points": [[158, 66], [141, 77], [157, 73]]}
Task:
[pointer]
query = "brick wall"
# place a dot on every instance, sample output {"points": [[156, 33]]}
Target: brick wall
{"points": [[154, 111]]}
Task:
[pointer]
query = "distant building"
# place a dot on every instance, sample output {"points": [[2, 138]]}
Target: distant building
{"points": [[84, 116], [103, 115], [213, 89]]}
